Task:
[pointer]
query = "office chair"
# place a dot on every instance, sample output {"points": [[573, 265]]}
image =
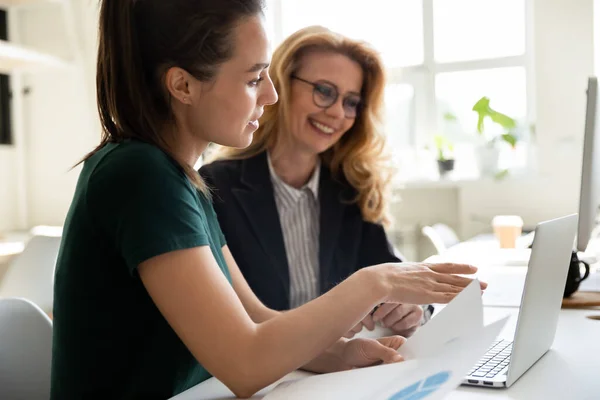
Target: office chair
{"points": [[441, 236], [31, 274], [25, 350]]}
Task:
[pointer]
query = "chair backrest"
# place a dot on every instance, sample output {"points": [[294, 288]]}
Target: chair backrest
{"points": [[441, 236], [31, 274], [25, 350]]}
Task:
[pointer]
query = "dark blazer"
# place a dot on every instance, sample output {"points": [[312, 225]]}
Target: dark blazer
{"points": [[245, 204]]}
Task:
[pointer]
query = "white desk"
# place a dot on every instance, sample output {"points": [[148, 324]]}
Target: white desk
{"points": [[9, 249], [495, 263], [569, 371]]}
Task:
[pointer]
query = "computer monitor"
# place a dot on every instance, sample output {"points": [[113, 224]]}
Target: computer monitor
{"points": [[589, 196]]}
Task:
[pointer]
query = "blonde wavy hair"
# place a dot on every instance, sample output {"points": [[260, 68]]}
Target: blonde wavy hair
{"points": [[360, 153]]}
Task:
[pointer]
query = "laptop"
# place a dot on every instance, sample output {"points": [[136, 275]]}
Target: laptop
{"points": [[510, 357]]}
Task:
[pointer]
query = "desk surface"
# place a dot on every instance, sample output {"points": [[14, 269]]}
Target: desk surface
{"points": [[9, 249], [570, 370]]}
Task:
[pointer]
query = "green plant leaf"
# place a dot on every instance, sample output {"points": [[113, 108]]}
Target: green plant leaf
{"points": [[500, 175], [503, 120], [443, 146], [449, 117], [510, 139], [482, 108]]}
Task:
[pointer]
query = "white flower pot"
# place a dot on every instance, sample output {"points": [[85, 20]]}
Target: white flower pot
{"points": [[487, 160]]}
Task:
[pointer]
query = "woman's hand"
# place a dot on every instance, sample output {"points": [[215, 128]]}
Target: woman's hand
{"points": [[401, 319], [422, 283], [357, 353]]}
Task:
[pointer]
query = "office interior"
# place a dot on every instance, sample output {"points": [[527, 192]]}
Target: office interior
{"points": [[530, 58]]}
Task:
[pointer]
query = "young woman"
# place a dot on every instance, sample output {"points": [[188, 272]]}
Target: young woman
{"points": [[303, 207], [148, 299]]}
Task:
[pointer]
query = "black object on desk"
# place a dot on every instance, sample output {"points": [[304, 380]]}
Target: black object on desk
{"points": [[574, 277]]}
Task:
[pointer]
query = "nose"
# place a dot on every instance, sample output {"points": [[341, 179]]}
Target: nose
{"points": [[336, 110], [269, 94]]}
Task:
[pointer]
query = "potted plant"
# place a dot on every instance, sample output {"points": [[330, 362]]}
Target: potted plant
{"points": [[488, 152], [445, 154]]}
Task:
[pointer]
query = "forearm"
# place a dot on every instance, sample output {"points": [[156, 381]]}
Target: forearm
{"points": [[262, 313], [324, 320], [328, 361]]}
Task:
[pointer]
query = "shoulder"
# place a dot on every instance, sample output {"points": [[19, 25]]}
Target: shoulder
{"points": [[339, 184], [221, 169], [134, 157], [134, 165]]}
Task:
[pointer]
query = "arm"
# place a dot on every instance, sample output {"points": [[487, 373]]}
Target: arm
{"points": [[257, 311], [331, 360], [193, 294], [203, 309]]}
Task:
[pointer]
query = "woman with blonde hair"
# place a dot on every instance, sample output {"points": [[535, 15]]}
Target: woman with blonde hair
{"points": [[305, 205]]}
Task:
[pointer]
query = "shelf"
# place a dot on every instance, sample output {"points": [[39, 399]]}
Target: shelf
{"points": [[14, 57], [17, 3]]}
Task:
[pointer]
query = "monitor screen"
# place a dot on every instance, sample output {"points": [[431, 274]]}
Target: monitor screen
{"points": [[589, 196]]}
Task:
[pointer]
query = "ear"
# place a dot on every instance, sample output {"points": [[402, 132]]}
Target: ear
{"points": [[177, 82]]}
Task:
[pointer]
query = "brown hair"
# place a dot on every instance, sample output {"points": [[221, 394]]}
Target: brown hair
{"points": [[139, 40], [359, 155]]}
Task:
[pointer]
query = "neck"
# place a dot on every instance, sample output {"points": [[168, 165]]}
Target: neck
{"points": [[184, 147], [292, 166]]}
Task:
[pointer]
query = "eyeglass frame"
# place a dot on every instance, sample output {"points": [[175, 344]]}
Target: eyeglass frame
{"points": [[315, 85]]}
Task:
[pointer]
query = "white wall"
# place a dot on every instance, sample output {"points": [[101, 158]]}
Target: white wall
{"points": [[61, 126], [60, 123], [8, 188]]}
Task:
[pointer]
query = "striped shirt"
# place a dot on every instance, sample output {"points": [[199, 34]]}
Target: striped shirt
{"points": [[299, 216]]}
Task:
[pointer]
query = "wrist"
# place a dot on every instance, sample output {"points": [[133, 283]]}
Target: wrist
{"points": [[373, 284]]}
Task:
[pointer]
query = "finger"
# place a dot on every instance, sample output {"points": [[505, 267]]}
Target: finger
{"points": [[393, 342], [458, 280], [454, 279], [368, 322], [451, 268], [396, 315], [383, 311], [376, 352], [355, 329], [447, 288], [408, 325], [409, 332], [391, 356], [441, 297]]}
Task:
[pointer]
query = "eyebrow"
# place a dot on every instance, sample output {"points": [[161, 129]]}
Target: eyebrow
{"points": [[258, 67]]}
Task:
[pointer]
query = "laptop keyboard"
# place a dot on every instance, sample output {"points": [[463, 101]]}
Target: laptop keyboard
{"points": [[494, 361]]}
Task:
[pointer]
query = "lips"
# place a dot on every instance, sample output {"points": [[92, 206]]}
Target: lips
{"points": [[326, 129]]}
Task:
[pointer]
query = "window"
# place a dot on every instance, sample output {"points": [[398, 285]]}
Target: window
{"points": [[5, 109], [441, 57], [396, 25]]}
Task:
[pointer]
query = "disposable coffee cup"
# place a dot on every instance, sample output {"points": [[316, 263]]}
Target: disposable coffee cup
{"points": [[507, 229]]}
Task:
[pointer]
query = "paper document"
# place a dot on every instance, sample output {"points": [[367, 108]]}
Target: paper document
{"points": [[431, 377], [460, 317], [439, 356]]}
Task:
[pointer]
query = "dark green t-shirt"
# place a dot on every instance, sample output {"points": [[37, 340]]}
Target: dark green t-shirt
{"points": [[132, 202]]}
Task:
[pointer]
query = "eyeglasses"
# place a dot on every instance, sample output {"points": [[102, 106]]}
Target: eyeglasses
{"points": [[325, 94]]}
